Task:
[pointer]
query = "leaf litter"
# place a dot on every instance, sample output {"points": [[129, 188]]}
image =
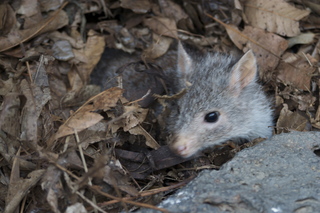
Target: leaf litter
{"points": [[68, 145]]}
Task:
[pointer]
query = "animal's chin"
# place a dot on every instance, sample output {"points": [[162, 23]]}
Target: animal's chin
{"points": [[185, 146]]}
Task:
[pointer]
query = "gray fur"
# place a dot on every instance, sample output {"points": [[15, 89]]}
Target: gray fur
{"points": [[244, 116]]}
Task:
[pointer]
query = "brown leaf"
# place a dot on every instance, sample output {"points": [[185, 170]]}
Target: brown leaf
{"points": [[7, 19], [296, 71], [86, 116], [159, 46], [20, 189], [162, 26], [137, 6], [136, 115], [275, 16], [54, 21], [172, 10], [150, 141], [89, 56], [267, 47], [116, 177], [289, 120]]}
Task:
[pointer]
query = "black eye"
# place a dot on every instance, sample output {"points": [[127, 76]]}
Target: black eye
{"points": [[212, 117]]}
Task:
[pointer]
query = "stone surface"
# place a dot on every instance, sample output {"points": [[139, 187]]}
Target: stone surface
{"points": [[278, 175]]}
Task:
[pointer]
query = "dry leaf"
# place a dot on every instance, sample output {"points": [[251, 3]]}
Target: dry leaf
{"points": [[162, 26], [116, 177], [150, 141], [137, 6], [172, 10], [159, 46], [20, 189], [296, 71], [275, 16], [289, 120], [304, 38], [90, 56], [15, 37], [86, 116], [267, 47], [7, 19], [136, 115]]}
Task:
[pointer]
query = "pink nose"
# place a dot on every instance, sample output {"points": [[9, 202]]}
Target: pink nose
{"points": [[181, 148]]}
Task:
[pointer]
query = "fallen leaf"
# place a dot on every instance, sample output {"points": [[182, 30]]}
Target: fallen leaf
{"points": [[276, 16], [304, 38], [159, 46], [137, 6], [296, 71], [289, 120], [86, 116], [54, 21], [267, 47], [162, 26], [21, 188]]}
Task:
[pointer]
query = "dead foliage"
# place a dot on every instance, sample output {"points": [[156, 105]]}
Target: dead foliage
{"points": [[66, 146]]}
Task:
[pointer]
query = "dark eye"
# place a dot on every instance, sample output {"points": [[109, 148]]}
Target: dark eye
{"points": [[212, 117]]}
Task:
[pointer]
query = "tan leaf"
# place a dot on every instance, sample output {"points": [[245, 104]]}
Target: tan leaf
{"points": [[136, 115], [85, 116], [150, 141], [89, 56], [275, 16]]}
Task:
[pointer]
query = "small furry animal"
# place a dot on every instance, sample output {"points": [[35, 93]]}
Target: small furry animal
{"points": [[224, 102]]}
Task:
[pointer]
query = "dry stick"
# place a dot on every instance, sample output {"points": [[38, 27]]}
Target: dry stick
{"points": [[93, 204], [41, 28], [96, 189], [84, 166], [153, 191]]}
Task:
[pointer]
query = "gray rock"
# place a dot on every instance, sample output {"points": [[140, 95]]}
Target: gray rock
{"points": [[278, 175]]}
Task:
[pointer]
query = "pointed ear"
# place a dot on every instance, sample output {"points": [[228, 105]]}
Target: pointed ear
{"points": [[243, 73], [184, 61]]}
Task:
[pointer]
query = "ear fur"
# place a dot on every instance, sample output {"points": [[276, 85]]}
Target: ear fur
{"points": [[243, 73], [184, 61]]}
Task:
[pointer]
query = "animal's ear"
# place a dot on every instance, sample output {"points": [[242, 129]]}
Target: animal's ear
{"points": [[184, 61], [243, 73]]}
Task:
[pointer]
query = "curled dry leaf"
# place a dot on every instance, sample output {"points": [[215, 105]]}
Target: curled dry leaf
{"points": [[275, 16], [86, 116]]}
